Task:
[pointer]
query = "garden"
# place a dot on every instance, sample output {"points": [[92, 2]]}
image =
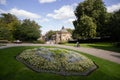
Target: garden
{"points": [[56, 60], [12, 69]]}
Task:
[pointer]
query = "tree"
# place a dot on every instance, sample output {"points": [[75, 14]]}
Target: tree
{"points": [[5, 34], [49, 34], [28, 31], [94, 9], [114, 25], [70, 30], [85, 28], [8, 22]]}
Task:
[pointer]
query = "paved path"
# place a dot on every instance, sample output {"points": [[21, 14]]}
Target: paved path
{"points": [[108, 55]]}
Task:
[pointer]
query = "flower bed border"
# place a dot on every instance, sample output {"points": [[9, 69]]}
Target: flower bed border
{"points": [[85, 73]]}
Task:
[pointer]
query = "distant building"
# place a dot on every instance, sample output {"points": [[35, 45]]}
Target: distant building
{"points": [[62, 36]]}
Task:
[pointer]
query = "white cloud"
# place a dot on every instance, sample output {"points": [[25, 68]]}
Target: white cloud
{"points": [[2, 11], [46, 1], [113, 7], [70, 20], [44, 20], [24, 13], [64, 12], [3, 2]]}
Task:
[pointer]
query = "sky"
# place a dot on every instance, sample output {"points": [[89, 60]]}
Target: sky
{"points": [[50, 14]]}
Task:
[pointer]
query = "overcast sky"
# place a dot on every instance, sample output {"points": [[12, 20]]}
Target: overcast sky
{"points": [[50, 14]]}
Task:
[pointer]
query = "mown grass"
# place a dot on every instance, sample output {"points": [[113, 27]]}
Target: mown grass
{"points": [[104, 46], [11, 69]]}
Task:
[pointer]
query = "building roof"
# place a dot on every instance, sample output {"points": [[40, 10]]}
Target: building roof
{"points": [[63, 30]]}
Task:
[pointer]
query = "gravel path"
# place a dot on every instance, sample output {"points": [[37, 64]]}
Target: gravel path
{"points": [[108, 55]]}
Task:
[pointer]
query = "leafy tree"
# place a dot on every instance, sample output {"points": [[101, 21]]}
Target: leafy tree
{"points": [[94, 9], [49, 34], [5, 34], [28, 31], [114, 25], [70, 30], [85, 28], [8, 22]]}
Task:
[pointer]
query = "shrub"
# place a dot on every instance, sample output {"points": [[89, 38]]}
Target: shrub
{"points": [[4, 41], [39, 41], [117, 44], [62, 42]]}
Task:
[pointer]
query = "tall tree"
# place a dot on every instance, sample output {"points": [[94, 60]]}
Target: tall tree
{"points": [[69, 30], [49, 34], [94, 9], [114, 25], [28, 31], [5, 34], [8, 22], [85, 28]]}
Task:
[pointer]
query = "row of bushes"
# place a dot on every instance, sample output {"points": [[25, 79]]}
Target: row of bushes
{"points": [[105, 39], [4, 41], [38, 41]]}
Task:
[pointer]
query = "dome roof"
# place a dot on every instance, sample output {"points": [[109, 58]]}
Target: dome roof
{"points": [[63, 30], [57, 60]]}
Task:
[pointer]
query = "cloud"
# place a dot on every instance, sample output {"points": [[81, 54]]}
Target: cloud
{"points": [[113, 7], [24, 13], [64, 12], [21, 13], [3, 2], [2, 11], [46, 1], [70, 20], [44, 20]]}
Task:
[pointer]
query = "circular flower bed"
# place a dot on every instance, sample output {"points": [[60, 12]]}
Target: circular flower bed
{"points": [[56, 60]]}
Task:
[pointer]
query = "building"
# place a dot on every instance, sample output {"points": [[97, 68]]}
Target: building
{"points": [[62, 36]]}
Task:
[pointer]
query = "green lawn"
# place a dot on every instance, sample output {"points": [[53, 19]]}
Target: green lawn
{"points": [[104, 46], [11, 69]]}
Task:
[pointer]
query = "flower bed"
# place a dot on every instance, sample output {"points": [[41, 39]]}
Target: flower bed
{"points": [[56, 60]]}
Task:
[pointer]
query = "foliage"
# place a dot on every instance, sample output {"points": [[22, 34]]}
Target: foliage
{"points": [[5, 34], [117, 44], [8, 22], [4, 41], [11, 28], [39, 41], [114, 25], [85, 27], [69, 30], [94, 9], [62, 42], [49, 34], [28, 31]]}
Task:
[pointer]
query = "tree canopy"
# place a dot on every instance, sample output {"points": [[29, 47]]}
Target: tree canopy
{"points": [[94, 9], [49, 34], [8, 22], [11, 28], [87, 27], [114, 25]]}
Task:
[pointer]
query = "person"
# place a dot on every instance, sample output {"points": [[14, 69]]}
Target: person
{"points": [[77, 44]]}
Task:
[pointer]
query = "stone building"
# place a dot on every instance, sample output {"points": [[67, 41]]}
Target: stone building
{"points": [[62, 36]]}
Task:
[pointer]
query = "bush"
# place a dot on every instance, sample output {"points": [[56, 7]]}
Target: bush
{"points": [[117, 44], [4, 41], [62, 42], [39, 41]]}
